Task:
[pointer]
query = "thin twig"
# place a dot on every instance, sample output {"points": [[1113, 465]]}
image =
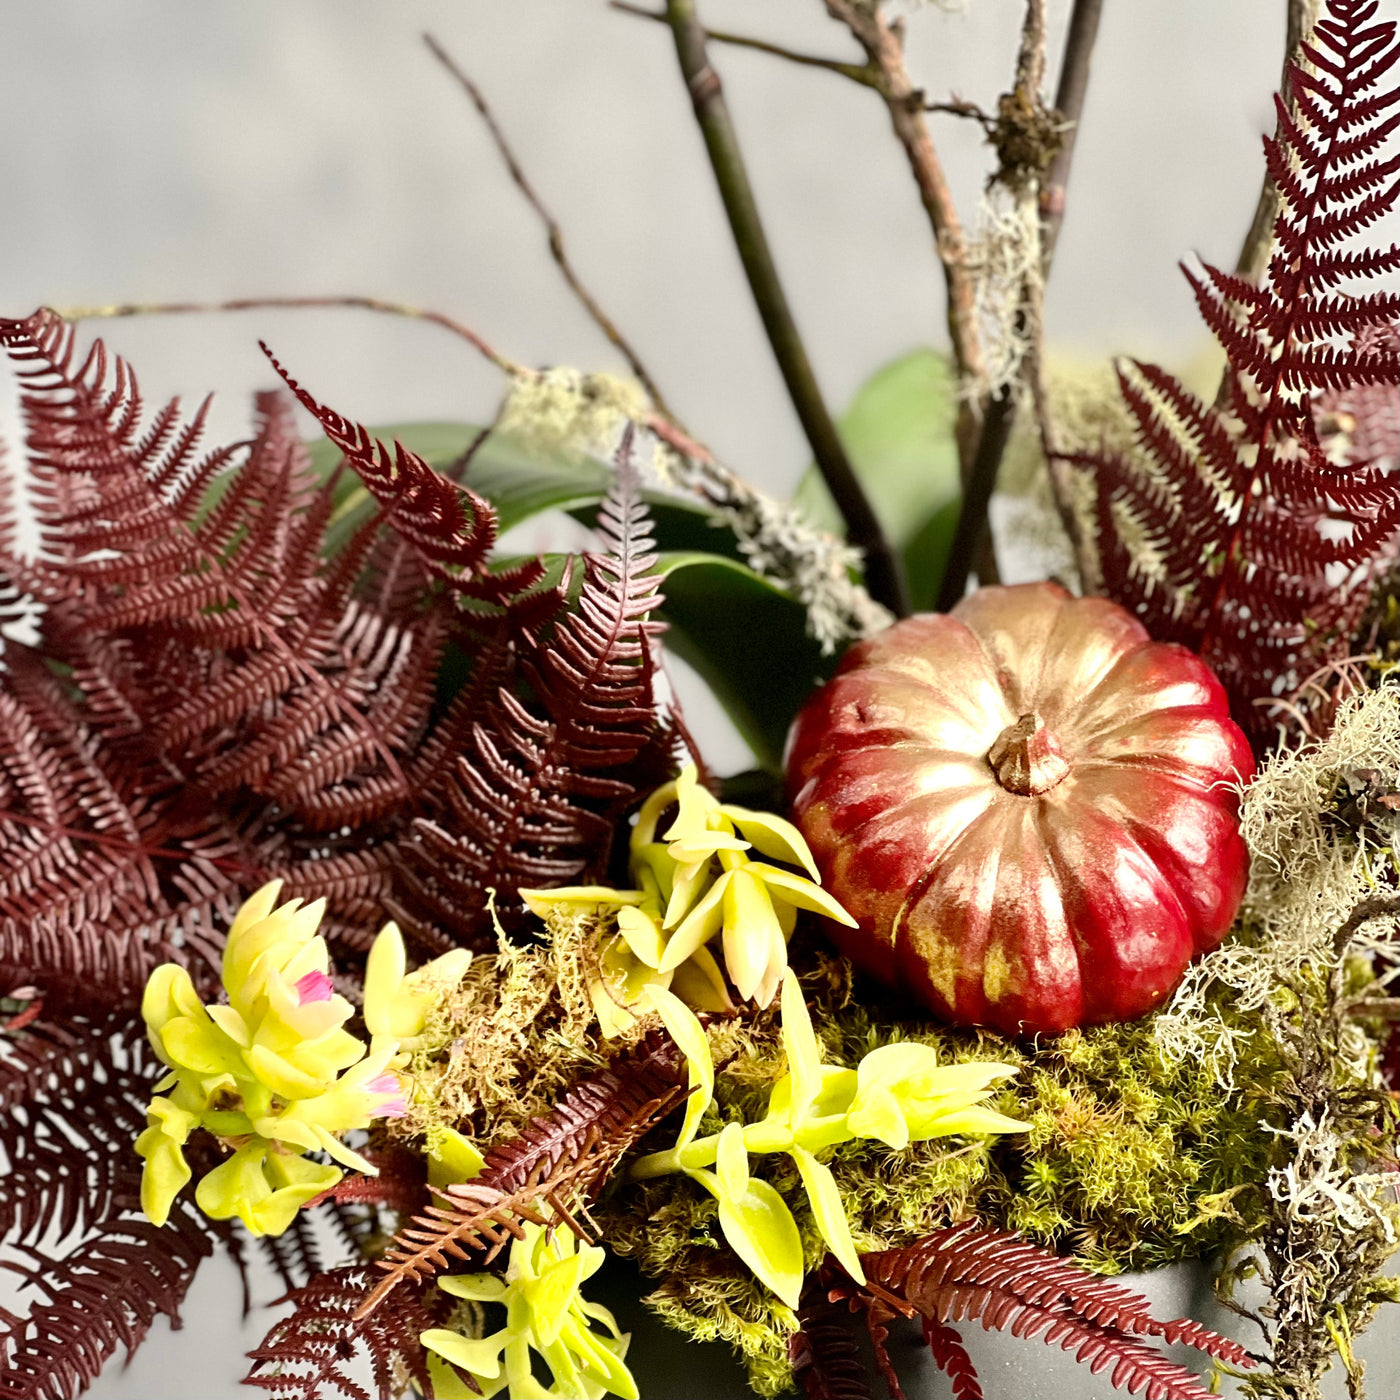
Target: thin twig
{"points": [[1377, 907], [359, 303], [1000, 415], [1069, 104], [1259, 241], [860, 73], [970, 537], [883, 575], [552, 228], [957, 107], [884, 49], [972, 544]]}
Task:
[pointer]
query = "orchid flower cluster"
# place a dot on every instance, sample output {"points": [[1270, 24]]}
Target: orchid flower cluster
{"points": [[898, 1094], [546, 1313], [273, 1073], [698, 881]]}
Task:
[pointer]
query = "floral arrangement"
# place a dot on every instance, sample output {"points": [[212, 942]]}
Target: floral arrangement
{"points": [[1053, 935]]}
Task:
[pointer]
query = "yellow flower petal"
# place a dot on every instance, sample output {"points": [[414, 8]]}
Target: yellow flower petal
{"points": [[699, 926], [750, 928], [773, 837], [794, 889]]}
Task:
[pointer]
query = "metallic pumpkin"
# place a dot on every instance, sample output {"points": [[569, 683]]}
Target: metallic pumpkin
{"points": [[1029, 807]]}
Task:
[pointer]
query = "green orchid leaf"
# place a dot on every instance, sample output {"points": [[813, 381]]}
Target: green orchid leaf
{"points": [[761, 1231], [722, 614], [688, 1034], [519, 480], [899, 435], [829, 1211], [748, 640]]}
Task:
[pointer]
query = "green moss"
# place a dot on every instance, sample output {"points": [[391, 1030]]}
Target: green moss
{"points": [[1134, 1160]]}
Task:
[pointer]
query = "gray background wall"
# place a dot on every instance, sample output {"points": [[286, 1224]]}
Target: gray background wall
{"points": [[157, 149]]}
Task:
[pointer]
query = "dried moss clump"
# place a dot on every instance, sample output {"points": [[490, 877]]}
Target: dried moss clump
{"points": [[505, 1042]]}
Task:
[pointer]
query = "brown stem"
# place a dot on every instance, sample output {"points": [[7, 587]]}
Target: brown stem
{"points": [[1259, 241], [971, 538], [883, 575], [884, 49], [391, 308], [1377, 907], [552, 228], [857, 72], [1069, 103], [1027, 758]]}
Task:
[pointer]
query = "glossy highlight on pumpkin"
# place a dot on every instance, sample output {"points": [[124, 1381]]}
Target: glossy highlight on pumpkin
{"points": [[1028, 806]]}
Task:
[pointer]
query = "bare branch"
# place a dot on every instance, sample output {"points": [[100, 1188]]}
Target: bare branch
{"points": [[555, 233], [884, 48], [1259, 241], [359, 303], [1069, 104], [1377, 907], [883, 575], [970, 538], [860, 73]]}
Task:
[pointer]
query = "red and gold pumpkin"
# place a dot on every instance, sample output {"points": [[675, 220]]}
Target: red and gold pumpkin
{"points": [[1029, 807]]}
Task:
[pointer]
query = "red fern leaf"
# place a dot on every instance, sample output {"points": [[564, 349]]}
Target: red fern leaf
{"points": [[1233, 532], [311, 1354], [825, 1355], [947, 1350], [450, 526], [967, 1273], [537, 794]]}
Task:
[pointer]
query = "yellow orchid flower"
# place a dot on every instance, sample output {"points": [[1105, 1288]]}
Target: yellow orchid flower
{"points": [[274, 1073]]}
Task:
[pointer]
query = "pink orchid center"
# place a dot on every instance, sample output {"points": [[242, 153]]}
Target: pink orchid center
{"points": [[389, 1087], [315, 986]]}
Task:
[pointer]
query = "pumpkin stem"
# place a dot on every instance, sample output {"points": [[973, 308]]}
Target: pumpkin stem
{"points": [[1027, 757]]}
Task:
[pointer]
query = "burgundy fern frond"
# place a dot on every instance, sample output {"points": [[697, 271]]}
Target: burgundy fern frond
{"points": [[450, 526], [968, 1273], [96, 1272], [229, 706], [102, 1294], [546, 1175], [948, 1352], [825, 1356], [75, 1100], [310, 1354], [536, 796], [1232, 530]]}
